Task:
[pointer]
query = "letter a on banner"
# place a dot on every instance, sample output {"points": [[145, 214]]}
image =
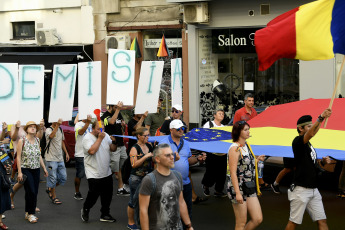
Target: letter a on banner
{"points": [[89, 88], [149, 86], [31, 93], [62, 95], [176, 81], [9, 92], [120, 81]]}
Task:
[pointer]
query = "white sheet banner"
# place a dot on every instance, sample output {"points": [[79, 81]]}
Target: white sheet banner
{"points": [[120, 81], [31, 93], [176, 81], [149, 86], [9, 92], [89, 88], [62, 94]]}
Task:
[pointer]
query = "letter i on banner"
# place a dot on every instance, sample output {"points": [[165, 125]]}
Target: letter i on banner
{"points": [[89, 88], [149, 86], [31, 93], [176, 81], [9, 92], [62, 95], [120, 81]]}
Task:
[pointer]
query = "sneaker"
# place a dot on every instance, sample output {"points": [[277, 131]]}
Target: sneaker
{"points": [[206, 191], [3, 216], [275, 189], [85, 215], [219, 194], [107, 218], [78, 196], [132, 227], [122, 192]]}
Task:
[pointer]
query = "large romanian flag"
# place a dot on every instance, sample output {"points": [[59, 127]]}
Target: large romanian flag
{"points": [[314, 31]]}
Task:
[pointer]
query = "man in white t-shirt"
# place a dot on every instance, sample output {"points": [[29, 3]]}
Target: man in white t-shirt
{"points": [[216, 163], [81, 129], [98, 147]]}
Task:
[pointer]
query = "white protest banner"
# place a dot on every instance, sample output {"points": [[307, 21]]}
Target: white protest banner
{"points": [[31, 93], [62, 94], [176, 81], [9, 92], [89, 88], [149, 86], [120, 81]]}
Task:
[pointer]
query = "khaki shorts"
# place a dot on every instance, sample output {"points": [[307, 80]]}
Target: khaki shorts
{"points": [[117, 158], [305, 198]]}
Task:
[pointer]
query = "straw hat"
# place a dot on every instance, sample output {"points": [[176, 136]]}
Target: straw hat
{"points": [[31, 123]]}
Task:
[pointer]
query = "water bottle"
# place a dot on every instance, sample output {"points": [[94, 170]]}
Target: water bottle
{"points": [[260, 169]]}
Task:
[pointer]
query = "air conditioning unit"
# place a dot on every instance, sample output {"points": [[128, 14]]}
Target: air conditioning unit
{"points": [[195, 13], [122, 42], [47, 37]]}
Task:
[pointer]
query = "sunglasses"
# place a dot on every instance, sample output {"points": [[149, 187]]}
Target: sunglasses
{"points": [[241, 122], [146, 135], [183, 128], [175, 111], [167, 155]]}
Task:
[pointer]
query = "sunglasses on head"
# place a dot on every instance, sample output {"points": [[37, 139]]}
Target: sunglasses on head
{"points": [[241, 122], [175, 111], [183, 128]]}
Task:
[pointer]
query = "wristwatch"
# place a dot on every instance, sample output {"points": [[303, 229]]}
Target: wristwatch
{"points": [[188, 226]]}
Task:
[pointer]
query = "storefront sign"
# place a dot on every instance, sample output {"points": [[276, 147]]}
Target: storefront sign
{"points": [[155, 43], [233, 40]]}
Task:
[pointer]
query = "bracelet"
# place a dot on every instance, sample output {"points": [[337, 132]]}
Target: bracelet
{"points": [[189, 225], [320, 118]]}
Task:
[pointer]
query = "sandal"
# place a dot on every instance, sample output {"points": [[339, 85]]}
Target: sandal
{"points": [[32, 219], [56, 201], [12, 206], [49, 193], [198, 200], [3, 226], [37, 210]]}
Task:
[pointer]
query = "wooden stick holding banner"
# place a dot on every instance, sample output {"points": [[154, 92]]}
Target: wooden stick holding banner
{"points": [[335, 89]]}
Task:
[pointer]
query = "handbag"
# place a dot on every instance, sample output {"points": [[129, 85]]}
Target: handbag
{"points": [[249, 188], [5, 184]]}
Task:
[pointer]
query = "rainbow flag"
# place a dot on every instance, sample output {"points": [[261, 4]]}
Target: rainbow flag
{"points": [[163, 50], [314, 31], [136, 48]]}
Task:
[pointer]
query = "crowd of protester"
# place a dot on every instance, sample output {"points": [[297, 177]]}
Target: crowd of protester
{"points": [[158, 196]]}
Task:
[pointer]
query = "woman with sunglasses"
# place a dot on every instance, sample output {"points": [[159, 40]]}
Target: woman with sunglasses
{"points": [[243, 184], [141, 161]]}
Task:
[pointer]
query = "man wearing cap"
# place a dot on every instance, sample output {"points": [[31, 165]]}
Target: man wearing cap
{"points": [[155, 120], [81, 129], [112, 120], [247, 112], [181, 148], [176, 114], [303, 193], [216, 163]]}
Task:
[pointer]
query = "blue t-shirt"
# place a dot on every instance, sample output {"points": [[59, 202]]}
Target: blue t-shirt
{"points": [[181, 165]]}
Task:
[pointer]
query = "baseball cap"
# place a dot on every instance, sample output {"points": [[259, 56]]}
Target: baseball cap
{"points": [[176, 124], [177, 107]]}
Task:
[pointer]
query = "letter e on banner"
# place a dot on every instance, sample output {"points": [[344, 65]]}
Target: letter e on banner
{"points": [[9, 92], [151, 73], [176, 81], [31, 93], [62, 94], [89, 88], [120, 80]]}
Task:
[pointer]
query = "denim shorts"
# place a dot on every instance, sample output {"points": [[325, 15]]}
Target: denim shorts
{"points": [[134, 182], [79, 166], [56, 173]]}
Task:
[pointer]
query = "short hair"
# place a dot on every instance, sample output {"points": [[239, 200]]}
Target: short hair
{"points": [[217, 110], [248, 95], [140, 131], [94, 124], [237, 128], [158, 149], [303, 119]]}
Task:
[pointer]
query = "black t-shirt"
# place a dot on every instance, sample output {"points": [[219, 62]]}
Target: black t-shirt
{"points": [[115, 129], [166, 127], [305, 159], [131, 129]]}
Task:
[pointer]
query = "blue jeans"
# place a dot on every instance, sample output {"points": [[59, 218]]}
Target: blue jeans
{"points": [[79, 166], [134, 182], [56, 173]]}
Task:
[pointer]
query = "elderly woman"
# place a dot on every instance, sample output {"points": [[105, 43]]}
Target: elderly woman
{"points": [[29, 160], [243, 185], [141, 161]]}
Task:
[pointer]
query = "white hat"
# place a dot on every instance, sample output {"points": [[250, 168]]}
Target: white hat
{"points": [[177, 107], [176, 124]]}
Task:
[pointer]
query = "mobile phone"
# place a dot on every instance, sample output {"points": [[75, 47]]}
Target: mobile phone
{"points": [[24, 179]]}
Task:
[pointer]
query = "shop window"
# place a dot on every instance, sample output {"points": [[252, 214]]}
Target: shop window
{"points": [[23, 30]]}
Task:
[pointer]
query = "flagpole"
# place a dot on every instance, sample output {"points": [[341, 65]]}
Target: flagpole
{"points": [[335, 89]]}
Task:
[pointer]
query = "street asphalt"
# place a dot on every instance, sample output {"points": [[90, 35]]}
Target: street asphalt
{"points": [[215, 213]]}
